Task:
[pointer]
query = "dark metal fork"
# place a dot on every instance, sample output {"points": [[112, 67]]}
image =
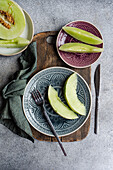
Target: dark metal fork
{"points": [[39, 100]]}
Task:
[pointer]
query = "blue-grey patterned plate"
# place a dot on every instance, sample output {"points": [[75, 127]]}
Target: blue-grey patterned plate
{"points": [[55, 76]]}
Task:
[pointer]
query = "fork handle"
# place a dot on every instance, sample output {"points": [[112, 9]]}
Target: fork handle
{"points": [[53, 130]]}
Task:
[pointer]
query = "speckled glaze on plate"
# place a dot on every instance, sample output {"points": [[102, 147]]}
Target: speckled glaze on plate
{"points": [[27, 33], [56, 76], [77, 60]]}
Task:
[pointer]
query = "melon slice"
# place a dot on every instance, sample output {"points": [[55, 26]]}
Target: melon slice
{"points": [[71, 95], [58, 106], [14, 43], [12, 20], [80, 48], [83, 35]]}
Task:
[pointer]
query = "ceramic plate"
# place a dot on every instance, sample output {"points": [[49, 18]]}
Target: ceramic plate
{"points": [[77, 60], [56, 76], [27, 33]]}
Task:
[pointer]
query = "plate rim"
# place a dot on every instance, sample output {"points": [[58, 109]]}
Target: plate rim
{"points": [[88, 90], [58, 49], [16, 53]]}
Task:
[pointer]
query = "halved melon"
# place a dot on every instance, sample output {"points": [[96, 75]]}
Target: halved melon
{"points": [[71, 95], [12, 20], [58, 106]]}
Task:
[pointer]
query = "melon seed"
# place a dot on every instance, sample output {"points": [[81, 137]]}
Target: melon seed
{"points": [[4, 23], [8, 17]]}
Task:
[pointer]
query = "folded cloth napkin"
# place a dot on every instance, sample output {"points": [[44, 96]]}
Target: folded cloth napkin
{"points": [[12, 115]]}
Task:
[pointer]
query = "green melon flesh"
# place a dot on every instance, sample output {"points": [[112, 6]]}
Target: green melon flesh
{"points": [[14, 43], [19, 18], [71, 95], [58, 106]]}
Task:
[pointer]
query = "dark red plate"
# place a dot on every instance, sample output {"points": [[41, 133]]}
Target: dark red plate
{"points": [[77, 60]]}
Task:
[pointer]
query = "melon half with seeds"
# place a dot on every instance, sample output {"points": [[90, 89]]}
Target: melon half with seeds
{"points": [[12, 20]]}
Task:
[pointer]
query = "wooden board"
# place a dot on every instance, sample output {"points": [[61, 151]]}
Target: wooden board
{"points": [[47, 57]]}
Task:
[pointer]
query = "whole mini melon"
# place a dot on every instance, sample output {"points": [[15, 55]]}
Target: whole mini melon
{"points": [[12, 20]]}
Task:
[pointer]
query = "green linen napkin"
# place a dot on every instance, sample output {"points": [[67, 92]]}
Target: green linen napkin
{"points": [[12, 115]]}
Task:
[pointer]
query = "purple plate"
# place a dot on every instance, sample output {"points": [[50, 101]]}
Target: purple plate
{"points": [[77, 60]]}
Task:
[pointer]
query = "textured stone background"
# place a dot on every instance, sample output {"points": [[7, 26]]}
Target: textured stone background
{"points": [[95, 151]]}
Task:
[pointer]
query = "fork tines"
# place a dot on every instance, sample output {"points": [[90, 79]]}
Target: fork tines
{"points": [[36, 94]]}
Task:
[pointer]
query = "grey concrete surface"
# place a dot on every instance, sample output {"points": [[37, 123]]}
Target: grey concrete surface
{"points": [[95, 151]]}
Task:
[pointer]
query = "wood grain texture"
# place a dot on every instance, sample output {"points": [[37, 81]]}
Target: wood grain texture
{"points": [[47, 56]]}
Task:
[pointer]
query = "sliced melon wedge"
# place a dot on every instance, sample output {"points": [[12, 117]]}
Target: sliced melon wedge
{"points": [[13, 16], [58, 106], [14, 43], [83, 35], [80, 48], [71, 95]]}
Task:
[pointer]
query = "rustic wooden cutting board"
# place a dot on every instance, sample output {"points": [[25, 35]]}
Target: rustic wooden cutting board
{"points": [[47, 56]]}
